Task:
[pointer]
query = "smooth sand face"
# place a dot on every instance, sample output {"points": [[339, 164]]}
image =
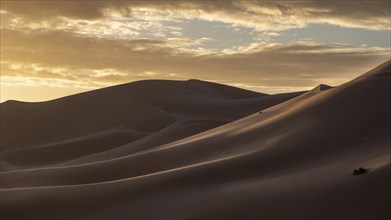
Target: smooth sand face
{"points": [[199, 150]]}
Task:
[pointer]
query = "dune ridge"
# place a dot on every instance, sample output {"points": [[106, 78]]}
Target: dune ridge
{"points": [[200, 150]]}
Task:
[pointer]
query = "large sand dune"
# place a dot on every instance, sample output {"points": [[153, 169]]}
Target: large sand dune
{"points": [[199, 150]]}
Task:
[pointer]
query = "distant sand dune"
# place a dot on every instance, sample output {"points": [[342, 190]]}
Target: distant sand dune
{"points": [[200, 150]]}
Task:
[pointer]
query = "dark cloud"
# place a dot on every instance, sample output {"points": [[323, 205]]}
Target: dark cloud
{"points": [[41, 10]]}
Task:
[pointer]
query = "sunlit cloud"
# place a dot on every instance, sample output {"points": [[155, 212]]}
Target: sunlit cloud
{"points": [[259, 15], [107, 62], [111, 28]]}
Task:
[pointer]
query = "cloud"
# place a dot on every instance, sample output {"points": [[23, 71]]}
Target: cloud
{"points": [[56, 55], [42, 10], [260, 15], [112, 28], [92, 44]]}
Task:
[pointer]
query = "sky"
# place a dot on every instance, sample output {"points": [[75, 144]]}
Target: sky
{"points": [[50, 49]]}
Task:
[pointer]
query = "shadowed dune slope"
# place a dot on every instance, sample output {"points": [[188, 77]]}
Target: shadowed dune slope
{"points": [[95, 122], [289, 160]]}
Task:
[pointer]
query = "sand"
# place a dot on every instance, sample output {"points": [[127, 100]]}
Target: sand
{"points": [[192, 149]]}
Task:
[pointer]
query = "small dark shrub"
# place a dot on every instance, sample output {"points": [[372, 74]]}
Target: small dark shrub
{"points": [[359, 171], [359, 141]]}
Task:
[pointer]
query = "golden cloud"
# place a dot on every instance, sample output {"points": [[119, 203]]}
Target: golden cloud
{"points": [[64, 56], [260, 15]]}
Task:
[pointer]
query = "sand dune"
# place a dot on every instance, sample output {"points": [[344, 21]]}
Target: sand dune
{"points": [[136, 109], [199, 150]]}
